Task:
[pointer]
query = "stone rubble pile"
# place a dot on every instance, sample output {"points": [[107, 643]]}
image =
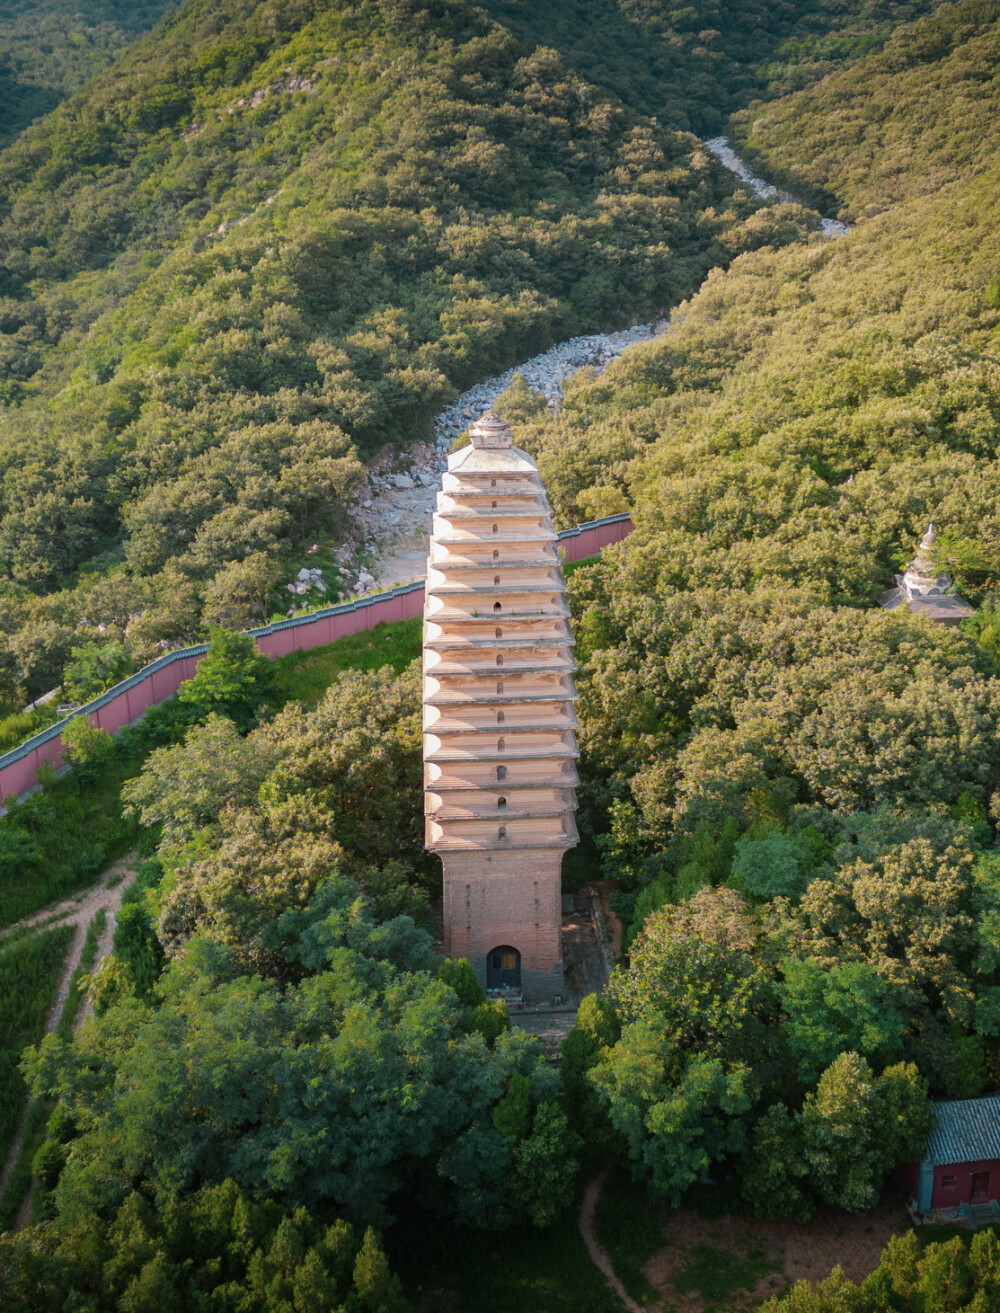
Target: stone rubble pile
{"points": [[299, 82], [308, 581]]}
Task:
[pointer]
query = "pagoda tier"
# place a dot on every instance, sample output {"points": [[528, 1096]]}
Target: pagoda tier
{"points": [[499, 721]]}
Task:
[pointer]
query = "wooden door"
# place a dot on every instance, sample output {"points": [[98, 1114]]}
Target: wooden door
{"points": [[980, 1187]]}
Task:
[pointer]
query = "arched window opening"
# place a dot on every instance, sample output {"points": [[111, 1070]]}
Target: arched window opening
{"points": [[499, 660], [493, 506], [497, 606], [502, 832], [499, 633], [501, 772], [496, 528], [501, 745], [496, 554], [501, 803], [499, 685], [493, 483], [496, 580], [500, 717]]}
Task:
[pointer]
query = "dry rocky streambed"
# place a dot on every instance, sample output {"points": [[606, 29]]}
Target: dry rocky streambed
{"points": [[392, 517]]}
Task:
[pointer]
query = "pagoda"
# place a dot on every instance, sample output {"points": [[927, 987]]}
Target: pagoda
{"points": [[499, 746], [927, 591]]}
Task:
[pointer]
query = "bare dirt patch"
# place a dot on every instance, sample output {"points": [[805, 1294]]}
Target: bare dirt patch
{"points": [[771, 1254]]}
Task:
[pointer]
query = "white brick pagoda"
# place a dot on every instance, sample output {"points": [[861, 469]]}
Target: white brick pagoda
{"points": [[499, 747]]}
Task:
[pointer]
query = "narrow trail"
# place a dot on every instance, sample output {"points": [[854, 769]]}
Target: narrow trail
{"points": [[598, 1256], [77, 912]]}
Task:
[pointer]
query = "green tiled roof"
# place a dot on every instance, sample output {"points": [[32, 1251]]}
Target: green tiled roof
{"points": [[967, 1131]]}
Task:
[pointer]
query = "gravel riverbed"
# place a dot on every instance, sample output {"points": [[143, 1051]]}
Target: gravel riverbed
{"points": [[392, 515]]}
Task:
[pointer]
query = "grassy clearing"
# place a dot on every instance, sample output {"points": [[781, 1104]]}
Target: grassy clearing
{"points": [[29, 970], [307, 675], [715, 1275], [71, 830], [627, 1227], [57, 841], [517, 1271]]}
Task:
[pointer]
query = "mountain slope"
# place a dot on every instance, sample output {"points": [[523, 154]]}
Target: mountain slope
{"points": [[785, 446], [911, 119], [274, 232], [691, 65], [50, 47]]}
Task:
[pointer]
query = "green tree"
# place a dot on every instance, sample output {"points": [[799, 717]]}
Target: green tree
{"points": [[88, 748], [186, 786], [378, 1288], [855, 1127], [232, 680], [768, 868], [95, 667], [774, 1177], [846, 1007]]}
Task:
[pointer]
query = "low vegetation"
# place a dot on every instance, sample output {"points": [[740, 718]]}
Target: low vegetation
{"points": [[959, 1275], [29, 970]]}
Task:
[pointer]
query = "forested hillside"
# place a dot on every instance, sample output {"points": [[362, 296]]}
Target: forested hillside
{"points": [[275, 238], [691, 65], [271, 239], [49, 47], [908, 121], [820, 776]]}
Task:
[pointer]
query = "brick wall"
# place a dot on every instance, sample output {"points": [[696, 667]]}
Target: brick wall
{"points": [[161, 679]]}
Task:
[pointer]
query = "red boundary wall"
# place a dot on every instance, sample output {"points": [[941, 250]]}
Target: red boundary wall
{"points": [[130, 699]]}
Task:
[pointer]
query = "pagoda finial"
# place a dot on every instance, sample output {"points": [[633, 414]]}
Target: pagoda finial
{"points": [[490, 432], [930, 537]]}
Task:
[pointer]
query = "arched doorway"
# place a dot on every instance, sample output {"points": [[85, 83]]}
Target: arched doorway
{"points": [[503, 968]]}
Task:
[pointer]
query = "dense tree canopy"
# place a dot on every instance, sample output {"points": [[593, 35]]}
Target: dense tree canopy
{"points": [[276, 236]]}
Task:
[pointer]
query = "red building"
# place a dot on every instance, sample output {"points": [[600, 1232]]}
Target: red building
{"points": [[961, 1165]]}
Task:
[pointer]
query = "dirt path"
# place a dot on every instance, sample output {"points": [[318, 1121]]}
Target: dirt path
{"points": [[77, 912], [597, 1255]]}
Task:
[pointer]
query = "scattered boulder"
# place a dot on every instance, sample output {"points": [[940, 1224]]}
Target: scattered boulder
{"points": [[402, 481]]}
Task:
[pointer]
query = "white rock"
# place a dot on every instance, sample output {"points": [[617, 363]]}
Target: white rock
{"points": [[303, 573], [301, 589], [402, 481]]}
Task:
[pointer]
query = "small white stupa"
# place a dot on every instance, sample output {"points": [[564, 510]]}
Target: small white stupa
{"points": [[926, 591]]}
